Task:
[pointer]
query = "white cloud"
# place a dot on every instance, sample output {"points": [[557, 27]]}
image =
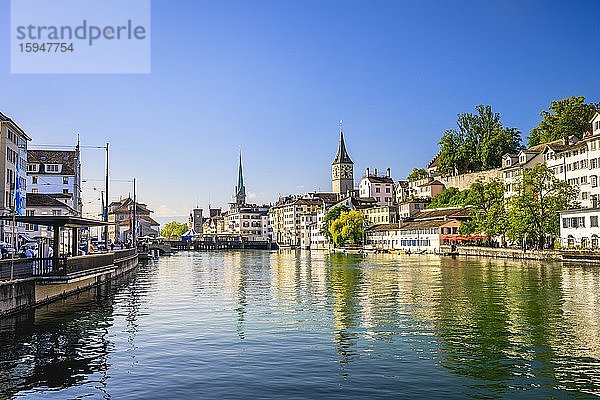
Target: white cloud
{"points": [[166, 211]]}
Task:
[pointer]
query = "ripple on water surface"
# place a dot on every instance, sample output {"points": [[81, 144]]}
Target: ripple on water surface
{"points": [[256, 324]]}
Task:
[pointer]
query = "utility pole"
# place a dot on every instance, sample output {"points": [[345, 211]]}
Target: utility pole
{"points": [[134, 225], [106, 204]]}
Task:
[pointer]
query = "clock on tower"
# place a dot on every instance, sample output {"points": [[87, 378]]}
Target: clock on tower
{"points": [[342, 170]]}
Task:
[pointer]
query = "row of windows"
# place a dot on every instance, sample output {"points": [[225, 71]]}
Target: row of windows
{"points": [[382, 219], [583, 180], [429, 231], [579, 222], [65, 180], [54, 168], [403, 242], [585, 242], [36, 190]]}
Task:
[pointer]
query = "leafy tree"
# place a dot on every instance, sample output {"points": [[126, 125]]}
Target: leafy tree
{"points": [[570, 116], [417, 173], [450, 197], [487, 209], [173, 230], [478, 144], [332, 215], [349, 227], [533, 211]]}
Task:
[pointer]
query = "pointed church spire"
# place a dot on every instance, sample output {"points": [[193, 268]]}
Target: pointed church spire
{"points": [[240, 189], [342, 156]]}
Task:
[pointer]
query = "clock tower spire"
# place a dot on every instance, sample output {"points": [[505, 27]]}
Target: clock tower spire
{"points": [[342, 169]]}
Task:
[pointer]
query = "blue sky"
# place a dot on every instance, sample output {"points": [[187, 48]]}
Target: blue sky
{"points": [[275, 77]]}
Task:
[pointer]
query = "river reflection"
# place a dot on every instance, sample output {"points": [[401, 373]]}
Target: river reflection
{"points": [[252, 324]]}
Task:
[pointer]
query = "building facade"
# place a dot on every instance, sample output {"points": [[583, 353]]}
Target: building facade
{"points": [[381, 215], [13, 141], [196, 221], [380, 188], [56, 173], [120, 217], [579, 228], [426, 231], [286, 219]]}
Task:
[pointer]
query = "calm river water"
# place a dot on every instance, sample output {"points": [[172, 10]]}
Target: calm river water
{"points": [[252, 324]]}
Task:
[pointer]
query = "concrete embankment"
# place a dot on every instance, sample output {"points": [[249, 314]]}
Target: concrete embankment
{"points": [[545, 255], [81, 273]]}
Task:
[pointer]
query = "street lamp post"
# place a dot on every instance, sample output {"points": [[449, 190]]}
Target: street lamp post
{"points": [[106, 203]]}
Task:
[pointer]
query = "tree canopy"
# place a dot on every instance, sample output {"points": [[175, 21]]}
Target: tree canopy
{"points": [[348, 228], [417, 173], [487, 209], [533, 213], [570, 116], [174, 230], [450, 197], [478, 143], [332, 215]]}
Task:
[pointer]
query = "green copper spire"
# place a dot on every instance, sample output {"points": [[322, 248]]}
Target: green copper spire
{"points": [[240, 189]]}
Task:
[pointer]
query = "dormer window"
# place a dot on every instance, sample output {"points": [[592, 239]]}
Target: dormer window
{"points": [[53, 168], [522, 158], [507, 162], [33, 167]]}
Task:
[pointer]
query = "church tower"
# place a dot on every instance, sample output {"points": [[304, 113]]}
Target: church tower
{"points": [[342, 169], [240, 189]]}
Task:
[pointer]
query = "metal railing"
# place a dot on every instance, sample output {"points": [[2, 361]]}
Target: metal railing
{"points": [[86, 263], [20, 268], [124, 254]]}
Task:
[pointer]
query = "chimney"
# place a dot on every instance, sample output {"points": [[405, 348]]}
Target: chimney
{"points": [[388, 173], [368, 171], [375, 173]]}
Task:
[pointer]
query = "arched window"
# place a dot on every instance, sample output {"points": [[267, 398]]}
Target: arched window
{"points": [[594, 241], [585, 242], [570, 241]]}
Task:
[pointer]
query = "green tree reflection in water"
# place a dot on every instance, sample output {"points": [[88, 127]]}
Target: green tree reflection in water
{"points": [[498, 323], [344, 281]]}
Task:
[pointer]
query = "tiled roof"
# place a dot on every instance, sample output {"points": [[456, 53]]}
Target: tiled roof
{"points": [[435, 161], [383, 227], [43, 200], [432, 183], [327, 197], [4, 118], [380, 179], [67, 158], [437, 213], [409, 225], [122, 206]]}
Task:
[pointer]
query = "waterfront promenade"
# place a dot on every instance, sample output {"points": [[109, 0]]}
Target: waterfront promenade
{"points": [[305, 325]]}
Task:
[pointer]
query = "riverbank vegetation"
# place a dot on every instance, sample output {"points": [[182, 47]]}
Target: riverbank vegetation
{"points": [[341, 225], [532, 214]]}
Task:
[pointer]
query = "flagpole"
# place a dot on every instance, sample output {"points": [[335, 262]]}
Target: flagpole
{"points": [[14, 228]]}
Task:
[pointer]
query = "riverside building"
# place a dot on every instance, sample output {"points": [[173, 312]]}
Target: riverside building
{"points": [[13, 167]]}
